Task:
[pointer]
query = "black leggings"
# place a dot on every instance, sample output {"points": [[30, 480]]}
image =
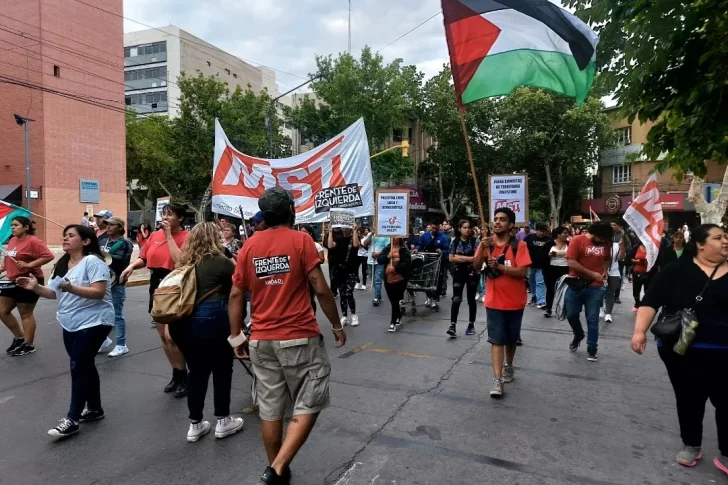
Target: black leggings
{"points": [[640, 281], [395, 293], [346, 293], [362, 261], [697, 377], [551, 275], [460, 283]]}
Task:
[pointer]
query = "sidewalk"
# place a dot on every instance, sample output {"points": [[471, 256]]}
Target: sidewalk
{"points": [[139, 278]]}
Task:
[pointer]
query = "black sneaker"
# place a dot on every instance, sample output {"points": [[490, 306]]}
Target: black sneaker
{"points": [[270, 477], [376, 302], [547, 314], [24, 349], [87, 415], [452, 332], [17, 342], [591, 355], [64, 429], [575, 343]]}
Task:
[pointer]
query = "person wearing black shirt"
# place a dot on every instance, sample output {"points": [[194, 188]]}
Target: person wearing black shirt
{"points": [[464, 277], [343, 245], [539, 252], [700, 374]]}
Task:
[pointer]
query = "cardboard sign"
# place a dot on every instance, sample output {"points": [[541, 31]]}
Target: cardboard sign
{"points": [[342, 218], [344, 197], [161, 202], [392, 213], [509, 191]]}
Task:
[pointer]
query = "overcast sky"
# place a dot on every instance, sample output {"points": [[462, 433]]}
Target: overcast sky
{"points": [[287, 34]]}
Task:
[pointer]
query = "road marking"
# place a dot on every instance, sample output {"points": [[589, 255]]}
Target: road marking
{"points": [[346, 477], [356, 350], [407, 354], [5, 399]]}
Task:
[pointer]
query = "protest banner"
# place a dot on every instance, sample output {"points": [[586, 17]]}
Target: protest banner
{"points": [[342, 218], [336, 174], [161, 202], [392, 212], [509, 191]]}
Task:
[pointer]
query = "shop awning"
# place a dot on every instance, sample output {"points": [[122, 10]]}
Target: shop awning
{"points": [[12, 193]]}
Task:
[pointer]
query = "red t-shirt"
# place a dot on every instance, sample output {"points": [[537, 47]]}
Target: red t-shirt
{"points": [[27, 250], [589, 255], [640, 267], [156, 251], [507, 292], [274, 266]]}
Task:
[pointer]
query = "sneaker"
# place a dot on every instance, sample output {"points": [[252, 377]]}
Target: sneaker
{"points": [[398, 323], [88, 416], [721, 463], [575, 343], [364, 287], [497, 390], [519, 342], [357, 286], [119, 350], [477, 297], [601, 313], [428, 303], [617, 301], [24, 349], [344, 321], [65, 428], [106, 345], [591, 355], [689, 456], [608, 318], [541, 306], [634, 309], [392, 328], [547, 314], [17, 342], [508, 373], [451, 331], [376, 302], [197, 431], [227, 426], [470, 330], [354, 320], [270, 477]]}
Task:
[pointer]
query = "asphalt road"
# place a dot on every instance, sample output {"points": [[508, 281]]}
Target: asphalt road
{"points": [[407, 408]]}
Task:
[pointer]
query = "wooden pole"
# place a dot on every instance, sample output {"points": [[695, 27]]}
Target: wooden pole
{"points": [[472, 169]]}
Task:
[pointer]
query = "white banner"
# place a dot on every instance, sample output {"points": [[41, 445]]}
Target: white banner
{"points": [[509, 191], [336, 174], [644, 216], [392, 213]]}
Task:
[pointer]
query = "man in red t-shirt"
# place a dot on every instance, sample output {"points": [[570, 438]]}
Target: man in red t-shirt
{"points": [[286, 346], [589, 258], [508, 260]]}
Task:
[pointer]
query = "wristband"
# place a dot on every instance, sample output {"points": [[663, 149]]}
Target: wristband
{"points": [[237, 341], [340, 329]]}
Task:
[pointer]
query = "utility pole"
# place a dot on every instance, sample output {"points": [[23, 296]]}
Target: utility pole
{"points": [[271, 110], [23, 121], [349, 27]]}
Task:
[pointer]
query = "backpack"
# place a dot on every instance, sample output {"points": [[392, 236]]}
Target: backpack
{"points": [[174, 299], [513, 242]]}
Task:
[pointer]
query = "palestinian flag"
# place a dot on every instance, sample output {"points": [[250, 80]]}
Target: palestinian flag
{"points": [[7, 213], [498, 45]]}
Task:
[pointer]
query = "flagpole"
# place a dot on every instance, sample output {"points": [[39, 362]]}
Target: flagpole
{"points": [[472, 168], [34, 214]]}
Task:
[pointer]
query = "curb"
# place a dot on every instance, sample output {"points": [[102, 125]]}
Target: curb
{"points": [[139, 282]]}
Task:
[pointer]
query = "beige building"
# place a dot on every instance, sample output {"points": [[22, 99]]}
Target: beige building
{"points": [[155, 58]]}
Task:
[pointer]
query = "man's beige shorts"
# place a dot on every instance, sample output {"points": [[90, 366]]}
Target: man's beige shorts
{"points": [[290, 371]]}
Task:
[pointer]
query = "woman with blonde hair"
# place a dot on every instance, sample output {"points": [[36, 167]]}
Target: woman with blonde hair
{"points": [[202, 337]]}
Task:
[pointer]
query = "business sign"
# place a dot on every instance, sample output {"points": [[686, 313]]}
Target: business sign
{"points": [[342, 218], [416, 198], [509, 191], [161, 203], [90, 191], [392, 217], [336, 174]]}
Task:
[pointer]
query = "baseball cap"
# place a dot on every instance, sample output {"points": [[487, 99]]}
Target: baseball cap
{"points": [[257, 218], [118, 221], [276, 201], [104, 213]]}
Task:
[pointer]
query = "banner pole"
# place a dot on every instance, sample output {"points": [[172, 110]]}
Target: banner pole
{"points": [[34, 214], [472, 168], [245, 229]]}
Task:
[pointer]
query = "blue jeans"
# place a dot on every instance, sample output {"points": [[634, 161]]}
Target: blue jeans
{"points": [[538, 287], [591, 299], [118, 295], [378, 279], [82, 347]]}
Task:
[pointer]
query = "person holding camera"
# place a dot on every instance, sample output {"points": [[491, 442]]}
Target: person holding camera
{"points": [[507, 262]]}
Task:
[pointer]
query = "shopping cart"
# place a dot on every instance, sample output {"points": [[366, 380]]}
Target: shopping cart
{"points": [[425, 278]]}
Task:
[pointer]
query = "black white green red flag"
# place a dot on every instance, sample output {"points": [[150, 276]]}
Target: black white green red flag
{"points": [[498, 45]]}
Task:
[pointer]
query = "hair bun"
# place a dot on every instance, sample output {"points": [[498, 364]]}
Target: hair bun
{"points": [[185, 206]]}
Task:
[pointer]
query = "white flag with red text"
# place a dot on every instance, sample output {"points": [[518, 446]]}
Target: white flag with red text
{"points": [[644, 216], [593, 215], [336, 174]]}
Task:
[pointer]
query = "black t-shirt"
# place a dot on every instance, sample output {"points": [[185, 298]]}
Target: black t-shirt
{"points": [[214, 271], [675, 288], [538, 249], [337, 254]]}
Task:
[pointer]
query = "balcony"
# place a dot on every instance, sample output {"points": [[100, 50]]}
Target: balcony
{"points": [[144, 84], [145, 59]]}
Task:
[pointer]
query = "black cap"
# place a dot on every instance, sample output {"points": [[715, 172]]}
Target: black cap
{"points": [[276, 201]]}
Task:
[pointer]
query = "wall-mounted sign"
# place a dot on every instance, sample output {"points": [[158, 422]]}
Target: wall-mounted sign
{"points": [[90, 191], [612, 204]]}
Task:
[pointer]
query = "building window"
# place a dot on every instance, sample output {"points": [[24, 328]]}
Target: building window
{"points": [[621, 174], [624, 135], [155, 74], [145, 50], [127, 99], [57, 71], [235, 76], [127, 52], [227, 71]]}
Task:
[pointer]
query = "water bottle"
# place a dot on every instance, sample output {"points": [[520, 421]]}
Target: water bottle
{"points": [[687, 335]]}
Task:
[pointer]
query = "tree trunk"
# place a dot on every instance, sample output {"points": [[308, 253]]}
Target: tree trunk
{"points": [[205, 202], [709, 213], [560, 197], [552, 198]]}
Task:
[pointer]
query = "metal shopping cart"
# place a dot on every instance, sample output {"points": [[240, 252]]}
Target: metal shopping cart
{"points": [[425, 278]]}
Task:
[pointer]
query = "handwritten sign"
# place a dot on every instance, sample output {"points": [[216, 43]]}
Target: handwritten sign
{"points": [[392, 212], [509, 191]]}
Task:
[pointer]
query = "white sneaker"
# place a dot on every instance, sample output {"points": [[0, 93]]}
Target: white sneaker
{"points": [[227, 426], [357, 286], [355, 320], [608, 318], [364, 287], [197, 431], [119, 350], [344, 321], [106, 345], [601, 313]]}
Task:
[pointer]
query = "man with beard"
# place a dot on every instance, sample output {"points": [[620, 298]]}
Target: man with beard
{"points": [[507, 261]]}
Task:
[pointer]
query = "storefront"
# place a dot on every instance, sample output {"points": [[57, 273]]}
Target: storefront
{"points": [[676, 208]]}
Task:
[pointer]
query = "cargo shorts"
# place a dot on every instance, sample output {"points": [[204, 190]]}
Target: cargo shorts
{"points": [[290, 372]]}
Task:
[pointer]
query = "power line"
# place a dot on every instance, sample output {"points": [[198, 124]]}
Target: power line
{"points": [[408, 32]]}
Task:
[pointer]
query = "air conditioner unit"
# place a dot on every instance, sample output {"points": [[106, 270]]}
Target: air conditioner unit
{"points": [[154, 85], [163, 83], [154, 59]]}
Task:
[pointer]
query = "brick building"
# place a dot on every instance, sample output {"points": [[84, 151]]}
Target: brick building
{"points": [[62, 66]]}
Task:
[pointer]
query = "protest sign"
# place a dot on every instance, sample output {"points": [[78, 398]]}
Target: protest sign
{"points": [[161, 202], [392, 213], [342, 218], [509, 191]]}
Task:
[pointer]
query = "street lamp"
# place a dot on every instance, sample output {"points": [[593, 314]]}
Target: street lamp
{"points": [[23, 121]]}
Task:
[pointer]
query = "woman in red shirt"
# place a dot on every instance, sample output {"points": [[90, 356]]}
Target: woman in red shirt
{"points": [[25, 255], [641, 278], [159, 255]]}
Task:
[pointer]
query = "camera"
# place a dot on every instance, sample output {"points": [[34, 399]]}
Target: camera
{"points": [[495, 272]]}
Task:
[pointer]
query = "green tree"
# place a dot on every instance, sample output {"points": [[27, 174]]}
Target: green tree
{"points": [[385, 95]]}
